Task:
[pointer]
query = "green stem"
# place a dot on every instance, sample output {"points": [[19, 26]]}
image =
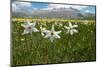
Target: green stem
{"points": [[52, 51], [35, 47]]}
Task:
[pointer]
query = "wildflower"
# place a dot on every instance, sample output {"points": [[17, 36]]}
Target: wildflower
{"points": [[60, 24], [56, 23], [52, 34], [43, 31], [14, 19], [86, 22], [29, 28], [70, 28]]}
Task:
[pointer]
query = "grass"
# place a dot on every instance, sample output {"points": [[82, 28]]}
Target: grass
{"points": [[34, 49]]}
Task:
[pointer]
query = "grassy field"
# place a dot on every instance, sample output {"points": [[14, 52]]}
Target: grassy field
{"points": [[34, 49]]}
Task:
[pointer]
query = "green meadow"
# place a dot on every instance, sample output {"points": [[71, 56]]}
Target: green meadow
{"points": [[34, 49]]}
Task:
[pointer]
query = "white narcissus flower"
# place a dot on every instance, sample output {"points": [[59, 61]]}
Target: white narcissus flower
{"points": [[60, 24], [85, 22], [14, 19], [70, 28], [43, 31], [56, 23], [52, 34], [29, 28]]}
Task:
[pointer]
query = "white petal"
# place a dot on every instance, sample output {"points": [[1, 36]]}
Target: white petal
{"points": [[75, 26], [52, 28], [60, 24], [25, 26], [42, 34], [55, 23], [70, 24], [34, 23], [71, 32], [68, 31], [26, 31], [46, 31], [51, 38], [35, 30], [48, 35], [58, 32], [66, 27], [74, 30], [41, 27], [56, 36]]}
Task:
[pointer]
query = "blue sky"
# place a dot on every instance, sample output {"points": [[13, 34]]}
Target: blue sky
{"points": [[39, 5], [90, 8], [31, 6]]}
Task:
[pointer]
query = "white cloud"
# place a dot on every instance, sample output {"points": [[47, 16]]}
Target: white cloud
{"points": [[23, 4], [87, 11], [19, 5], [51, 6], [14, 7]]}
